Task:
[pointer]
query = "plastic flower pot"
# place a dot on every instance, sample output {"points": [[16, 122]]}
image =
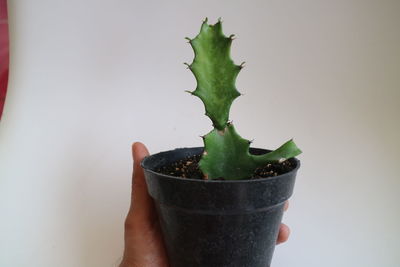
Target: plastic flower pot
{"points": [[217, 222]]}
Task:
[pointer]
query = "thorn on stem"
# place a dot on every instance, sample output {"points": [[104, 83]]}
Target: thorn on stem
{"points": [[190, 92], [187, 64]]}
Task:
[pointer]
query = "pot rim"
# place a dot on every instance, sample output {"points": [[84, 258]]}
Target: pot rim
{"points": [[143, 162]]}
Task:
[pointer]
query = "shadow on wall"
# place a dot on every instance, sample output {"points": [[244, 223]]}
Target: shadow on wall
{"points": [[3, 53]]}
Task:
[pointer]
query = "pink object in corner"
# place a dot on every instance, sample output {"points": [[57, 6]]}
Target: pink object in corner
{"points": [[4, 59]]}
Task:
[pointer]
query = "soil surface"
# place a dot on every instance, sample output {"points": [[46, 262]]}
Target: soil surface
{"points": [[189, 168]]}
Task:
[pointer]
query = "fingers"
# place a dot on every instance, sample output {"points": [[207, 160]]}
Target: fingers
{"points": [[285, 208], [284, 233], [142, 207], [284, 230]]}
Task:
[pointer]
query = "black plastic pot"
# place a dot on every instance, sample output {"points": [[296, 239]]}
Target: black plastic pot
{"points": [[217, 223]]}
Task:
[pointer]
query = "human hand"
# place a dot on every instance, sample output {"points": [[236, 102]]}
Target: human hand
{"points": [[144, 246], [284, 230]]}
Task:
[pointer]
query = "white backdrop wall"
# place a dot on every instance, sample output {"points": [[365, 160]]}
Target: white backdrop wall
{"points": [[88, 78]]}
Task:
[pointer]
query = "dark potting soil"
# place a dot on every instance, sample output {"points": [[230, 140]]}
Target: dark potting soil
{"points": [[189, 168]]}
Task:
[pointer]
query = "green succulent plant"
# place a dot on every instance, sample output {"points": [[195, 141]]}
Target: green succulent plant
{"points": [[226, 154]]}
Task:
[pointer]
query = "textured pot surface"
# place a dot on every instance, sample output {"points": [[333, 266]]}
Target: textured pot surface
{"points": [[217, 223]]}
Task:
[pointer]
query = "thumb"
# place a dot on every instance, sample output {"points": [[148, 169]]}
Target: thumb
{"points": [[142, 207], [139, 152]]}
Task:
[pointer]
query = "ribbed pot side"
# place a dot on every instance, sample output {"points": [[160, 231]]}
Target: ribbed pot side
{"points": [[217, 223]]}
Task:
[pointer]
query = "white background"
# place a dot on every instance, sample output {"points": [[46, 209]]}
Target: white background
{"points": [[88, 78]]}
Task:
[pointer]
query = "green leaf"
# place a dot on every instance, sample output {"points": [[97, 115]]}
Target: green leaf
{"points": [[286, 151]]}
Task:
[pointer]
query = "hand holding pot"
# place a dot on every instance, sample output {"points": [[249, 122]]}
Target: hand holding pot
{"points": [[143, 240]]}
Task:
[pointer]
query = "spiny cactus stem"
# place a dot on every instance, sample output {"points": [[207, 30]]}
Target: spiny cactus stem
{"points": [[226, 154]]}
